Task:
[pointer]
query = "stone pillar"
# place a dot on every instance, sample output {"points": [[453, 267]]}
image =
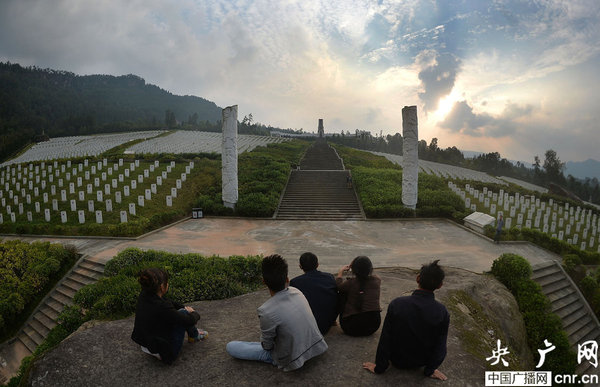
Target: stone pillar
{"points": [[321, 128], [229, 157], [410, 148]]}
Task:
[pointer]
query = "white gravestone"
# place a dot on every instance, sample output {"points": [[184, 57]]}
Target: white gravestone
{"points": [[13, 217], [123, 216], [91, 206], [107, 189], [73, 205], [493, 208], [174, 192], [109, 206], [47, 214], [153, 188], [148, 194], [126, 173], [140, 179], [30, 217], [63, 216], [45, 197], [98, 216], [54, 205], [183, 177], [63, 195], [81, 215], [169, 201], [133, 184], [229, 157], [81, 195], [118, 196], [132, 208], [121, 178], [96, 182], [178, 183], [115, 184], [141, 200], [146, 173], [71, 188], [158, 180], [99, 196], [89, 189], [126, 190]]}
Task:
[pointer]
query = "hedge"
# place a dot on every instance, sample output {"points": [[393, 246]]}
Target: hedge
{"points": [[192, 278], [540, 323], [28, 271]]}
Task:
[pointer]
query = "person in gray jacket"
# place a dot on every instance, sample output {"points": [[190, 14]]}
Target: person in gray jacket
{"points": [[289, 333]]}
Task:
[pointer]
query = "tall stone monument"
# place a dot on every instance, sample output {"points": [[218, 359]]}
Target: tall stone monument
{"points": [[410, 165], [321, 129], [229, 157]]}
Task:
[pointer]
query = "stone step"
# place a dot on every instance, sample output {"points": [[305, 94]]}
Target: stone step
{"points": [[549, 278], [51, 312], [574, 316], [61, 298], [564, 305], [39, 327], [33, 335], [88, 273], [544, 271], [593, 334], [561, 293], [27, 342], [45, 320], [67, 292], [581, 333], [72, 284], [81, 278], [556, 285], [92, 266], [575, 326]]}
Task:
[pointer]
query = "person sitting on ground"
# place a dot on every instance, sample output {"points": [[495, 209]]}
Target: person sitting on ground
{"points": [[289, 333], [415, 329], [361, 313], [160, 324], [320, 291]]}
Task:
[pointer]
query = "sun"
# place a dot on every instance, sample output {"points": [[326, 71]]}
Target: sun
{"points": [[445, 105]]}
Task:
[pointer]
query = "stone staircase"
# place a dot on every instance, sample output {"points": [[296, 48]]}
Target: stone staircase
{"points": [[568, 303], [43, 319], [319, 190]]}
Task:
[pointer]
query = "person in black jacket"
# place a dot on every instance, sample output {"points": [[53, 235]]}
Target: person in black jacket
{"points": [[415, 329], [320, 291], [160, 324]]}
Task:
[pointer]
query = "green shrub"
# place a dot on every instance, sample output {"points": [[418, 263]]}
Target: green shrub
{"points": [[570, 262], [588, 286], [28, 271], [511, 270], [540, 323]]}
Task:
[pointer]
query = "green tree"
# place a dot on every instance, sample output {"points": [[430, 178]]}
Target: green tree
{"points": [[553, 167]]}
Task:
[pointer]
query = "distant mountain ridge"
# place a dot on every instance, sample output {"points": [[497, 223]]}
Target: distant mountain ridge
{"points": [[61, 103], [582, 169]]}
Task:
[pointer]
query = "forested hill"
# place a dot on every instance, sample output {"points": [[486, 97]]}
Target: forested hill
{"points": [[61, 103]]}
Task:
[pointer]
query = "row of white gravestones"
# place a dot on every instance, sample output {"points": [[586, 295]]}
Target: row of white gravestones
{"points": [[546, 226], [108, 202]]}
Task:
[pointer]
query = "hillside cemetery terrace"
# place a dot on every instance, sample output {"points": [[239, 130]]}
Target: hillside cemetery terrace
{"points": [[91, 191], [574, 225], [78, 146], [199, 142], [445, 170], [176, 142]]}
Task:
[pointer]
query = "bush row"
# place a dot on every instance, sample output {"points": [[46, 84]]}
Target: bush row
{"points": [[192, 278], [546, 241], [540, 323], [380, 191], [27, 271]]}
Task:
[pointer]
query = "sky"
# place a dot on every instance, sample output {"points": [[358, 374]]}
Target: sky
{"points": [[516, 77]]}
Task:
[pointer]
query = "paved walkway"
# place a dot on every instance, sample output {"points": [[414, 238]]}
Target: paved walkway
{"points": [[394, 243]]}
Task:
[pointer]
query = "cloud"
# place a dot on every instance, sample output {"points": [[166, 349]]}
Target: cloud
{"points": [[437, 75], [463, 120]]}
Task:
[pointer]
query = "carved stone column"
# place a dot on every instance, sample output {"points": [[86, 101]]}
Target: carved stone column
{"points": [[229, 157], [410, 149]]}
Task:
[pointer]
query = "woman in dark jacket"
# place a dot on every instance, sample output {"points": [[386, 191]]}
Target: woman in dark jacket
{"points": [[361, 312], [160, 324]]}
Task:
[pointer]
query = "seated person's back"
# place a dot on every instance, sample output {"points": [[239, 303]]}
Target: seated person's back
{"points": [[320, 291]]}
